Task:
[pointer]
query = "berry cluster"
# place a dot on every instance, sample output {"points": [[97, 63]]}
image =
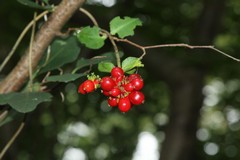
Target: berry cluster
{"points": [[122, 91]]}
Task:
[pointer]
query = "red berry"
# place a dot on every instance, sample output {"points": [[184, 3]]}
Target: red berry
{"points": [[118, 80], [115, 92], [124, 104], [106, 93], [107, 83], [136, 97], [112, 101], [133, 76], [117, 72], [129, 87], [88, 86], [81, 90], [137, 83]]}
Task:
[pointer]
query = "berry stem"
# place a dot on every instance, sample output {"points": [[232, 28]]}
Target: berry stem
{"points": [[116, 51], [107, 33], [89, 16]]}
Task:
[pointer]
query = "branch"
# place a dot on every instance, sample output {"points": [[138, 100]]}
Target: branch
{"points": [[89, 16], [192, 47], [17, 77], [143, 48], [116, 51]]}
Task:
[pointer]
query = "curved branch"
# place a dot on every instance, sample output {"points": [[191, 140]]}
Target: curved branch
{"points": [[16, 78], [94, 21]]}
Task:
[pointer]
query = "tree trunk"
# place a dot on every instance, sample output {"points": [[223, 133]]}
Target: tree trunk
{"points": [[186, 91], [49, 30], [186, 101]]}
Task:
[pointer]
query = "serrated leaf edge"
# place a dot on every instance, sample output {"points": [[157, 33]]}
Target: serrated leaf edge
{"points": [[135, 19]]}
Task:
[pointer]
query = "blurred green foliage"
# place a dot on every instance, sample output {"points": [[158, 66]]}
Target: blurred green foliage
{"points": [[84, 121]]}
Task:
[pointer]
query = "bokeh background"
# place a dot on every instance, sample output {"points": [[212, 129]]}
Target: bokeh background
{"points": [[192, 101]]}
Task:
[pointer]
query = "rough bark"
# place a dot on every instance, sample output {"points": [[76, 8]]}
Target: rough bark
{"points": [[17, 77]]}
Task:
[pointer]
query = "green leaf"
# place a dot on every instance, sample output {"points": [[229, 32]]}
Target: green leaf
{"points": [[35, 5], [45, 1], [63, 51], [24, 102], [105, 67], [87, 62], [90, 36], [124, 27], [109, 57], [64, 78], [130, 63], [131, 71]]}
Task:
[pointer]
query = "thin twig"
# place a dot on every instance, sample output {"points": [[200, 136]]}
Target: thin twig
{"points": [[45, 77], [176, 45], [10, 54], [60, 70], [10, 142], [62, 96], [193, 47], [3, 115], [127, 41], [114, 47], [106, 32], [143, 48], [225, 54], [30, 51], [95, 57], [143, 54], [47, 56], [133, 44], [89, 16], [49, 47], [116, 51]]}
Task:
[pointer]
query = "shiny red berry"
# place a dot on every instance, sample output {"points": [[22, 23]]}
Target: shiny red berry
{"points": [[112, 101], [137, 83], [129, 87], [133, 76], [136, 97], [115, 92], [106, 93], [117, 72], [81, 90], [118, 80], [107, 83], [124, 104], [88, 86]]}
